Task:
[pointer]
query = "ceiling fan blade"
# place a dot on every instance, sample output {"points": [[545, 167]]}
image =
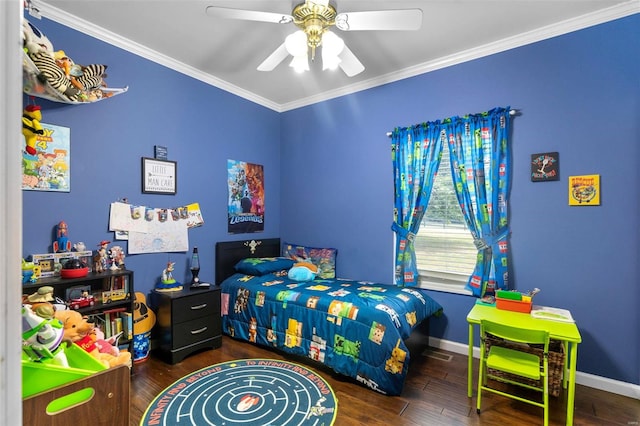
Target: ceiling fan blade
{"points": [[274, 59], [322, 3], [249, 15], [398, 20], [349, 63]]}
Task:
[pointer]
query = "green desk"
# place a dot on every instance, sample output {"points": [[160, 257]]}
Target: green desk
{"points": [[566, 332]]}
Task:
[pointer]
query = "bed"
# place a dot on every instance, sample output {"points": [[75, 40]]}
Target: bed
{"points": [[356, 328]]}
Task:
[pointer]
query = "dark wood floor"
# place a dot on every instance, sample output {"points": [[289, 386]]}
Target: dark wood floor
{"points": [[435, 393]]}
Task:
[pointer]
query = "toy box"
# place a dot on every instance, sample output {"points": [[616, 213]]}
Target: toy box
{"points": [[41, 376], [101, 398]]}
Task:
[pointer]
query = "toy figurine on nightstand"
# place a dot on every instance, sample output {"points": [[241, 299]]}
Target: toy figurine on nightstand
{"points": [[168, 283]]}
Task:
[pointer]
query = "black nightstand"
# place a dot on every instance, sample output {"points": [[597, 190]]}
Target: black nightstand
{"points": [[187, 321]]}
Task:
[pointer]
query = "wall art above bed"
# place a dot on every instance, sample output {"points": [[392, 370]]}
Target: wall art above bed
{"points": [[246, 197]]}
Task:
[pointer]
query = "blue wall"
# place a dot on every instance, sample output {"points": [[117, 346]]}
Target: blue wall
{"points": [[328, 171], [578, 94], [202, 126]]}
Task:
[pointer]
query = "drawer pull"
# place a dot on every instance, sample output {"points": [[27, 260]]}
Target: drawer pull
{"points": [[198, 331], [197, 307]]}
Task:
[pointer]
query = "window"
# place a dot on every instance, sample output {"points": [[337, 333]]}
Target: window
{"points": [[445, 252]]}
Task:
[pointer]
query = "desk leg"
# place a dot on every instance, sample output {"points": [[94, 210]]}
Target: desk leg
{"points": [[565, 366], [573, 359], [470, 361]]}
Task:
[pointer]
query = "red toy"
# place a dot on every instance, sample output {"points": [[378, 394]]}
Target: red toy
{"points": [[82, 301]]}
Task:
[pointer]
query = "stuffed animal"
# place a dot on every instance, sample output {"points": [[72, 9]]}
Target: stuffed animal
{"points": [[31, 127], [81, 332], [303, 271], [107, 346], [33, 40], [75, 82]]}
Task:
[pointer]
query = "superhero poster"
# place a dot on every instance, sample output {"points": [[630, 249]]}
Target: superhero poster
{"points": [[246, 197], [46, 159]]}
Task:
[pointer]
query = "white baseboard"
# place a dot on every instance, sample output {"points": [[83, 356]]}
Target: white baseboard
{"points": [[585, 379]]}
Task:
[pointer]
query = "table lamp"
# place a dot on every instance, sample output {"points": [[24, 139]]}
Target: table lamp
{"points": [[195, 270]]}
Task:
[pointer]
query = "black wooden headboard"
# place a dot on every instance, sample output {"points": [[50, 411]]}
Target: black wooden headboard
{"points": [[228, 253]]}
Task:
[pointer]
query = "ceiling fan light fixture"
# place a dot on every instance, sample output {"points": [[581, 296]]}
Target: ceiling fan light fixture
{"points": [[296, 43], [300, 63]]}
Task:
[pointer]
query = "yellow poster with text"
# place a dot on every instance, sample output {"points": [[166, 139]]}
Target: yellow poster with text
{"points": [[584, 190]]}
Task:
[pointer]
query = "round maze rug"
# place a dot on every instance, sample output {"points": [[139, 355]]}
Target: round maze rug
{"points": [[246, 392]]}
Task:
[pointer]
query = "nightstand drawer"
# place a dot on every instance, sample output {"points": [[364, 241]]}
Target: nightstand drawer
{"points": [[193, 331], [196, 306]]}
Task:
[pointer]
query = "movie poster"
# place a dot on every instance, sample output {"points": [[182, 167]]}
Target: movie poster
{"points": [[246, 197], [46, 159]]}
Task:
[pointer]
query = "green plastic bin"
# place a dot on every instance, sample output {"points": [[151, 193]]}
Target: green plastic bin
{"points": [[42, 376]]}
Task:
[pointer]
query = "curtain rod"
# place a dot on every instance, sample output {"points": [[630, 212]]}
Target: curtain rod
{"points": [[511, 112]]}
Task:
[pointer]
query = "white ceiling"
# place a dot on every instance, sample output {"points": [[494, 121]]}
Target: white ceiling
{"points": [[225, 53]]}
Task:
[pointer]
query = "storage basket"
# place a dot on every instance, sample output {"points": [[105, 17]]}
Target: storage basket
{"points": [[42, 376], [555, 360]]}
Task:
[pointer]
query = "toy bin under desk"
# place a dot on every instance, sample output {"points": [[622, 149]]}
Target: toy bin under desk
{"points": [[513, 305]]}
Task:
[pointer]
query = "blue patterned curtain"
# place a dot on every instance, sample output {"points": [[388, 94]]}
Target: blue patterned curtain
{"points": [[416, 153], [481, 169], [480, 165]]}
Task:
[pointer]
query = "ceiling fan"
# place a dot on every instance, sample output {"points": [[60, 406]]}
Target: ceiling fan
{"points": [[314, 18]]}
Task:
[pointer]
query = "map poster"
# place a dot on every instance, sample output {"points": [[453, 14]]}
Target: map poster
{"points": [[246, 197], [49, 168], [584, 190]]}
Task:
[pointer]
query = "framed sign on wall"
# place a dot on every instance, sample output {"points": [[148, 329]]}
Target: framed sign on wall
{"points": [[159, 176], [545, 167]]}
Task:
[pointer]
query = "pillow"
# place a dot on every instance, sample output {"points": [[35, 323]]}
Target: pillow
{"points": [[258, 266], [303, 271], [323, 258]]}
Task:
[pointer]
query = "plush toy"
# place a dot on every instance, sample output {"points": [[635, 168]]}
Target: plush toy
{"points": [[42, 338], [33, 40], [81, 332], [31, 127], [92, 77], [78, 83], [303, 271], [40, 51], [107, 346]]}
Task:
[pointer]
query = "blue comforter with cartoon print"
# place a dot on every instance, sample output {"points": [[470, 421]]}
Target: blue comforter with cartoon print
{"points": [[356, 328]]}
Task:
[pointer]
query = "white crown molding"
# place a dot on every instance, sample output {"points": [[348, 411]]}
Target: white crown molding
{"points": [[114, 39], [590, 380], [595, 18]]}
